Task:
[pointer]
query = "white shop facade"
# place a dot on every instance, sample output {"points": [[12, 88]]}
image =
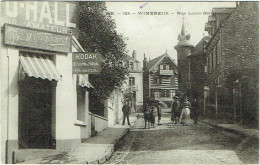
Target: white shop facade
{"points": [[44, 106]]}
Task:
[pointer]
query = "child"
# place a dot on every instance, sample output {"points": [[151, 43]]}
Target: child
{"points": [[152, 117]]}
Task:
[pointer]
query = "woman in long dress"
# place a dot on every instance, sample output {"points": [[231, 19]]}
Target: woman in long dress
{"points": [[185, 112]]}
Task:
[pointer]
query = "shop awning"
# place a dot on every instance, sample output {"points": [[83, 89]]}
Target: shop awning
{"points": [[38, 66], [83, 82]]}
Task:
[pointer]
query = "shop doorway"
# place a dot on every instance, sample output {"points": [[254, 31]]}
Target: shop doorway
{"points": [[35, 114]]}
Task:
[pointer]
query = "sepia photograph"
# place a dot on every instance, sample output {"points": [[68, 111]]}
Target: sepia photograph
{"points": [[129, 82]]}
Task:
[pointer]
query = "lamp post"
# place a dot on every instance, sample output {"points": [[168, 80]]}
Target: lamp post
{"points": [[206, 89]]}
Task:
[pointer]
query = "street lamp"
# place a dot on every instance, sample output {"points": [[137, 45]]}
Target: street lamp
{"points": [[206, 90]]}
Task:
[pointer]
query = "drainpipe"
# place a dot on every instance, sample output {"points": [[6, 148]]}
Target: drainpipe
{"points": [[7, 131]]}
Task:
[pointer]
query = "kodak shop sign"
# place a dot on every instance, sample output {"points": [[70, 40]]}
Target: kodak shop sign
{"points": [[57, 17]]}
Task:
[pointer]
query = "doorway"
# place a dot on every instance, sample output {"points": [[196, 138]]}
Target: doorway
{"points": [[35, 117]]}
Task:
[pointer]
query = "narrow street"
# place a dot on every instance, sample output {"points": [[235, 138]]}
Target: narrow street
{"points": [[175, 144]]}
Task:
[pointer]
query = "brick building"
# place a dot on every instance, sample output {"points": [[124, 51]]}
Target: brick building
{"points": [[232, 63]]}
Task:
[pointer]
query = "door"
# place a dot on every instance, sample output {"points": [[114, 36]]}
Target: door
{"points": [[35, 102]]}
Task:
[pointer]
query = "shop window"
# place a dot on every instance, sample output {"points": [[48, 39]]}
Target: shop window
{"points": [[80, 103]]}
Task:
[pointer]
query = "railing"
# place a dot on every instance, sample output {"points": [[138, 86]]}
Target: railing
{"points": [[166, 72], [98, 123]]}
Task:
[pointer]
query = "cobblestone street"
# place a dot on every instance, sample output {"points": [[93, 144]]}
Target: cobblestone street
{"points": [[170, 143]]}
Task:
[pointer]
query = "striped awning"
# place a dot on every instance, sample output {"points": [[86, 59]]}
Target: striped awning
{"points": [[83, 82], [38, 66]]}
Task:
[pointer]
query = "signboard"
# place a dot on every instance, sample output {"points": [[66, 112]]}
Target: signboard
{"points": [[57, 17], [86, 63], [32, 38]]}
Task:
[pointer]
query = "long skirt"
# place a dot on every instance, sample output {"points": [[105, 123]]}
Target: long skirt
{"points": [[185, 116]]}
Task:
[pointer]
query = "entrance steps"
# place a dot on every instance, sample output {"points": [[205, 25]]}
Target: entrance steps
{"points": [[23, 155]]}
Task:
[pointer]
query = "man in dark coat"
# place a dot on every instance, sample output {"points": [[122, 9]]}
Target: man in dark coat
{"points": [[126, 111], [176, 110], [195, 111], [159, 112]]}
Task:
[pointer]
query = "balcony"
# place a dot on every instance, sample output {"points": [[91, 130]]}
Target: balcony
{"points": [[166, 72], [166, 98]]}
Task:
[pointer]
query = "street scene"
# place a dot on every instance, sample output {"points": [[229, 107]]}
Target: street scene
{"points": [[100, 82]]}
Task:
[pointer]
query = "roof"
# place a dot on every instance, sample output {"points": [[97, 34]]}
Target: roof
{"points": [[198, 49], [211, 18], [153, 62], [127, 58], [224, 10]]}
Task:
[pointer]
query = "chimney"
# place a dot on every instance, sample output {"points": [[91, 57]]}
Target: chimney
{"points": [[134, 54], [145, 63]]}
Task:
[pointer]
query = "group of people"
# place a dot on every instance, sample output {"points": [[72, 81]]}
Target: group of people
{"points": [[180, 112], [149, 114]]}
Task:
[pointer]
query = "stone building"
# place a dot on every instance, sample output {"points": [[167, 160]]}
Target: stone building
{"points": [[232, 63], [183, 48], [160, 79], [134, 81], [198, 68]]}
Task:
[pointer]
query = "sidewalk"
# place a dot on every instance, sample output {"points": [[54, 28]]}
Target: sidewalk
{"points": [[97, 149], [237, 129]]}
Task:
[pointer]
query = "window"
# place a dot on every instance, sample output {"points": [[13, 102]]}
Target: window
{"points": [[167, 67], [205, 69], [161, 67], [172, 93], [131, 81], [131, 65]]}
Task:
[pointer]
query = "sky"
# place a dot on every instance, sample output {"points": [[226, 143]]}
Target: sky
{"points": [[156, 34]]}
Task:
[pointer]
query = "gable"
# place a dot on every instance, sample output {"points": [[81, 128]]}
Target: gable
{"points": [[165, 59]]}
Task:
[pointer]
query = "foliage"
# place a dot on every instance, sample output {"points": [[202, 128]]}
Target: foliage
{"points": [[98, 34]]}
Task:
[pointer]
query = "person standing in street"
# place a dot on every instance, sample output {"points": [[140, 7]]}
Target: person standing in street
{"points": [[195, 111], [175, 113], [126, 111], [159, 112], [185, 112]]}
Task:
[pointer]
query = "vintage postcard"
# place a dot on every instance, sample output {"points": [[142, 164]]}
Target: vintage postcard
{"points": [[120, 82]]}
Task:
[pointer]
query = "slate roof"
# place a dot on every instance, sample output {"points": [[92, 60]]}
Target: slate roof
{"points": [[224, 10], [198, 49], [127, 58]]}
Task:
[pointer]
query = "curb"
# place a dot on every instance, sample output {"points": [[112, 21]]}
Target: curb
{"points": [[111, 149], [239, 133]]}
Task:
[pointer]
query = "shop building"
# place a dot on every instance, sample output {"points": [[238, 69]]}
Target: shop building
{"points": [[44, 106]]}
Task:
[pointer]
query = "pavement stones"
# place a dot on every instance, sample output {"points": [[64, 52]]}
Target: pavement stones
{"points": [[95, 150]]}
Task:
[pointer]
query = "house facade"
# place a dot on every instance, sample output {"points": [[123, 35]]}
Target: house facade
{"points": [[232, 63], [160, 79], [134, 82], [44, 105]]}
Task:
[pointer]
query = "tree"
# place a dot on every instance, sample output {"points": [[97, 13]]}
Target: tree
{"points": [[98, 34]]}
